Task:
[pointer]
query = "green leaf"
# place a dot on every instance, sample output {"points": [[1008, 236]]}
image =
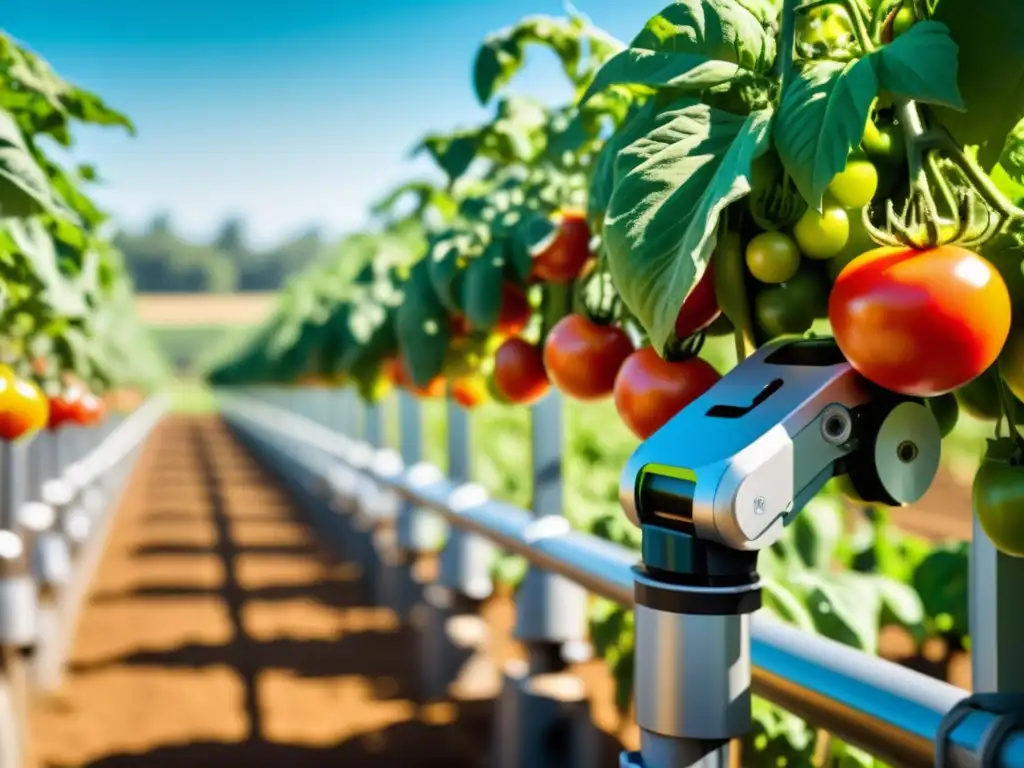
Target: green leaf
{"points": [[481, 286], [452, 153], [657, 69], [842, 607], [817, 531], [765, 11], [901, 605], [672, 185], [715, 29], [423, 327], [784, 604], [990, 73], [24, 188], [921, 64], [602, 179], [503, 53], [821, 118], [32, 240], [1012, 157]]}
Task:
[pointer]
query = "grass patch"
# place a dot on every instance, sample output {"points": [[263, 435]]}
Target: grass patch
{"points": [[191, 396]]}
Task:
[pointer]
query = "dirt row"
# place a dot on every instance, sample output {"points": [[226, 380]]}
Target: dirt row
{"points": [[218, 632]]}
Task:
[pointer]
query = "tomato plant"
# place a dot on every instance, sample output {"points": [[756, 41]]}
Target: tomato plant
{"points": [[920, 323], [649, 390]]}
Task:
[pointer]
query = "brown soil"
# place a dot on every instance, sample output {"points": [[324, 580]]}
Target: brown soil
{"points": [[218, 633]]}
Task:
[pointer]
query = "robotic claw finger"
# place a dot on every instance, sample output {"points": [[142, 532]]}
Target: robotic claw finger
{"points": [[720, 482]]}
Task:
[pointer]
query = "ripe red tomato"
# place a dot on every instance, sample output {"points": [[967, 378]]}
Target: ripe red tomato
{"points": [[519, 372], [64, 408], [89, 410], [650, 390], [23, 406], [700, 308], [582, 357], [515, 311], [921, 323], [564, 258], [469, 391]]}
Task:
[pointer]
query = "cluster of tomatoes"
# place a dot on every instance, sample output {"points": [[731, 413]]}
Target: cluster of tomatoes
{"points": [[25, 408]]}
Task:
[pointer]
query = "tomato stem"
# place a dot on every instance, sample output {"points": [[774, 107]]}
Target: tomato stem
{"points": [[783, 67], [1006, 406], [920, 224]]}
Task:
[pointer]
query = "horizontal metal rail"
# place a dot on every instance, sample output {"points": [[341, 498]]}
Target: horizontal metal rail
{"points": [[884, 708]]}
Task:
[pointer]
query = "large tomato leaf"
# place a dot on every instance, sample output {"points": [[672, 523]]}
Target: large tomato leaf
{"points": [[503, 53], [990, 38], [716, 29], [422, 326], [921, 64], [481, 287], [672, 185], [820, 119], [24, 187], [602, 178], [658, 69]]}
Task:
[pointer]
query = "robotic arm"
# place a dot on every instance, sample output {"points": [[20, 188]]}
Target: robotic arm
{"points": [[720, 482]]}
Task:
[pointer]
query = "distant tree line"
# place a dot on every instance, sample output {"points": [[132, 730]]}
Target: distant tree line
{"points": [[162, 262]]}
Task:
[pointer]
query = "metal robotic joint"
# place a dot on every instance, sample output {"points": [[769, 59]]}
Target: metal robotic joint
{"points": [[771, 433]]}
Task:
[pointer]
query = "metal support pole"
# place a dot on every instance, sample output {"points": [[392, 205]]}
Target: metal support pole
{"points": [[417, 531], [996, 620], [551, 622], [18, 609], [367, 498], [454, 636], [51, 555]]}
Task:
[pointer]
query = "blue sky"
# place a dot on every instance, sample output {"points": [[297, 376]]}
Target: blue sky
{"points": [[290, 114]]}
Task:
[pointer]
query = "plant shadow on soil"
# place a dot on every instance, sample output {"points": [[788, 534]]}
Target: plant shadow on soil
{"points": [[388, 659]]}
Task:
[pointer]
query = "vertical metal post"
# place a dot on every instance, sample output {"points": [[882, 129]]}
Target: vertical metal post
{"points": [[373, 433], [996, 621], [417, 530], [454, 635], [18, 606], [551, 616]]}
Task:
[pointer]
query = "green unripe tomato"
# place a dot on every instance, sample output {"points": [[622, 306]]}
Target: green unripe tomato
{"points": [[884, 142], [856, 184], [822, 235], [772, 257], [904, 20]]}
